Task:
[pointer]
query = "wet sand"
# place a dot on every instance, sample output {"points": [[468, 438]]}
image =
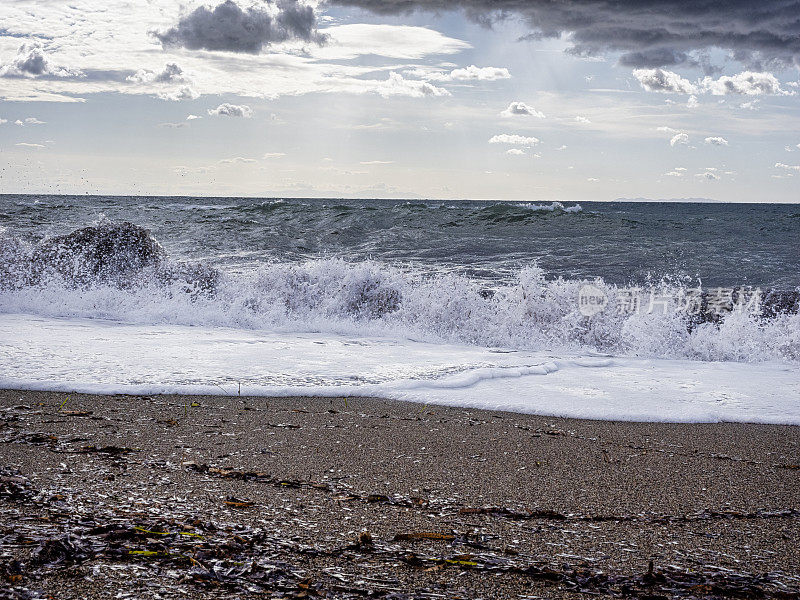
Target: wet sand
{"points": [[229, 497]]}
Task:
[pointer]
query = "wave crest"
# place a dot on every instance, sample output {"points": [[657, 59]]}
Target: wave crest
{"points": [[88, 276]]}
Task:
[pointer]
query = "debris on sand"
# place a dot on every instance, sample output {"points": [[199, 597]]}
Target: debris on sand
{"points": [[14, 486], [143, 509]]}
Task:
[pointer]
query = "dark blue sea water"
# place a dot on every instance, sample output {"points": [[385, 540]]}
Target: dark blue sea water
{"points": [[623, 243]]}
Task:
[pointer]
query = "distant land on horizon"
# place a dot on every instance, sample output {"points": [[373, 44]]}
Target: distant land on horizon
{"points": [[695, 200], [411, 197]]}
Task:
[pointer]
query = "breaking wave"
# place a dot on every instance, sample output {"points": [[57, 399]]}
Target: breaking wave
{"points": [[553, 206], [118, 271]]}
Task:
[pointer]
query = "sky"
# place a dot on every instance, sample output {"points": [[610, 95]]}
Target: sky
{"points": [[478, 99]]}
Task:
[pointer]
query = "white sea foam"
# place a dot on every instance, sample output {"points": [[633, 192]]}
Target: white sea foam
{"points": [[329, 327], [91, 355], [371, 299], [574, 208]]}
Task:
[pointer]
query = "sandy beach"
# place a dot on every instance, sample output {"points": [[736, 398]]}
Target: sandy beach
{"points": [[233, 497]]}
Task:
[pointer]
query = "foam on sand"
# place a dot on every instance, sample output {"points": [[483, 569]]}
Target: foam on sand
{"points": [[90, 355]]}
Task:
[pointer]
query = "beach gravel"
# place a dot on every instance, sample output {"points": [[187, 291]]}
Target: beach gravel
{"points": [[232, 497]]}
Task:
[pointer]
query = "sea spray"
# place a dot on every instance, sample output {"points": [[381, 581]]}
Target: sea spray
{"points": [[531, 312]]}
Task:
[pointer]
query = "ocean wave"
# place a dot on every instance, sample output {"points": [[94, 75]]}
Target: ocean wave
{"points": [[120, 272], [522, 209], [553, 206], [513, 213]]}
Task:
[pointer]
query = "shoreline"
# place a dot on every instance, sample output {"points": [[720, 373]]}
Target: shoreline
{"points": [[345, 498]]}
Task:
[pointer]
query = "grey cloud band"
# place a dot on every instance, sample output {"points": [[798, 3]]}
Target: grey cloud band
{"points": [[761, 35]]}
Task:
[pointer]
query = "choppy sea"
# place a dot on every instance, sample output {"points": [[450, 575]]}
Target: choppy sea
{"points": [[465, 303]]}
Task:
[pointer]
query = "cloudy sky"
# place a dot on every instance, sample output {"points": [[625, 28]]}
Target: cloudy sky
{"points": [[482, 99]]}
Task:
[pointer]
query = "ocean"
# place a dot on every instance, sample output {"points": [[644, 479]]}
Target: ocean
{"points": [[643, 311]]}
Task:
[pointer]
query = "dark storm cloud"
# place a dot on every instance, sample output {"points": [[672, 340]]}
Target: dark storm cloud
{"points": [[761, 35], [231, 28]]}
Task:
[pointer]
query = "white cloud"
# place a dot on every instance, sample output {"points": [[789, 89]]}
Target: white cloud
{"points": [[231, 110], [659, 80], [33, 146], [479, 73], [692, 102], [675, 173], [515, 152], [28, 121], [193, 117], [274, 155], [397, 85], [787, 167], [667, 129], [708, 175], [470, 73], [31, 62], [172, 73], [679, 138], [513, 139], [746, 83], [402, 42], [100, 46], [3, 121], [237, 160], [473, 73], [521, 109], [183, 170], [716, 141], [184, 93], [376, 162], [561, 148], [581, 119]]}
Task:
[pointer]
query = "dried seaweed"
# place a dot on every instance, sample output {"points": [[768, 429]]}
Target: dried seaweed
{"points": [[14, 486], [237, 503], [243, 560], [449, 506]]}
